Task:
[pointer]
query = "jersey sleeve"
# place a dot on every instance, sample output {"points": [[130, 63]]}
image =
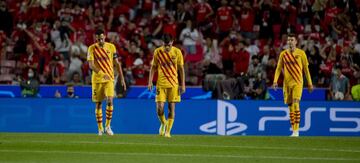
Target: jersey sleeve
{"points": [[180, 59], [90, 55]]}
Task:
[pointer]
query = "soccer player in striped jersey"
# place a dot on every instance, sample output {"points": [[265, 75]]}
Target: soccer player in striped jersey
{"points": [[102, 57], [169, 63], [294, 63]]}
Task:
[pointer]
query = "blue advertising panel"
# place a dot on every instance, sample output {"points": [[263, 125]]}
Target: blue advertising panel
{"points": [[212, 117], [141, 92]]}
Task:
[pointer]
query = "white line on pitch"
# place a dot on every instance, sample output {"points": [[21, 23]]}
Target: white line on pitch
{"points": [[195, 145], [182, 155]]}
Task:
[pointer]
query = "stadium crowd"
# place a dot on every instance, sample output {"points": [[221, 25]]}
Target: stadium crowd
{"points": [[48, 39]]}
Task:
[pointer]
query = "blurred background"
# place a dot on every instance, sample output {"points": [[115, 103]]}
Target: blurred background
{"points": [[230, 47]]}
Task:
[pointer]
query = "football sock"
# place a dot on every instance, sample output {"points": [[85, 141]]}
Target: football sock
{"points": [[292, 118], [296, 108], [162, 119], [109, 112], [169, 125], [99, 117]]}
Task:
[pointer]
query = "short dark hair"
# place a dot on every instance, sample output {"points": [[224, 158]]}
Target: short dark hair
{"points": [[167, 38], [291, 35], [99, 31]]}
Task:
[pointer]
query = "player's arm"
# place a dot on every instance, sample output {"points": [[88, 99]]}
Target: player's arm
{"points": [[181, 72], [118, 67], [182, 77], [278, 70], [153, 69], [307, 72], [120, 72]]}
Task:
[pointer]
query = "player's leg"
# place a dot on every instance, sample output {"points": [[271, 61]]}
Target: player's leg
{"points": [[171, 117], [161, 116], [297, 92], [99, 118], [97, 97], [288, 101], [160, 100], [173, 97], [292, 118], [109, 93]]}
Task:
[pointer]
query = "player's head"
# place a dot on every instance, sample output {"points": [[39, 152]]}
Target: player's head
{"points": [[167, 41], [100, 36], [291, 41]]}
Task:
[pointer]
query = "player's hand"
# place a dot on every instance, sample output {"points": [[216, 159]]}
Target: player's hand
{"points": [[150, 86], [106, 77], [275, 85], [182, 89], [310, 88], [123, 84]]}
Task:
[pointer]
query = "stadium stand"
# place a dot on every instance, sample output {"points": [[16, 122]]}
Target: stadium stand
{"points": [[52, 36]]}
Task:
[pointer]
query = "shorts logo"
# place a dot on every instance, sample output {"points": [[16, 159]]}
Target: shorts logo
{"points": [[225, 123]]}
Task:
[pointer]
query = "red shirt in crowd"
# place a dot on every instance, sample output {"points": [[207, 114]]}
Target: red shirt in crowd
{"points": [[170, 28], [201, 10], [246, 20], [225, 18], [241, 61]]}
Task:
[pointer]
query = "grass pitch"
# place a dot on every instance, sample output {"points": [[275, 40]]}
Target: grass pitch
{"points": [[40, 147]]}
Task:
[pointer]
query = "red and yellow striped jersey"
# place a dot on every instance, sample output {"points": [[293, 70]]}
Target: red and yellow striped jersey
{"points": [[103, 58], [167, 66], [294, 64]]}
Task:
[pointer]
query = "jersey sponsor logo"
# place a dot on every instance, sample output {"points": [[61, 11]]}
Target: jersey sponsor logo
{"points": [[225, 124]]}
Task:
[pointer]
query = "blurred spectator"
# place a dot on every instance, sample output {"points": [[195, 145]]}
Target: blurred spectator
{"points": [[259, 89], [138, 69], [60, 36], [246, 19], [6, 18], [190, 36], [339, 86], [76, 79], [202, 14], [28, 60], [30, 86], [255, 67], [241, 59], [55, 71], [225, 19], [75, 64], [70, 91], [212, 59]]}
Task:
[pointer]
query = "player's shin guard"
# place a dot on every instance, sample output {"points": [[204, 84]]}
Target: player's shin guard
{"points": [[99, 118], [109, 112], [297, 116], [169, 125]]}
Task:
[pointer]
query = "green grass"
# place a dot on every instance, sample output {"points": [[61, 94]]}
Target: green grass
{"points": [[38, 147]]}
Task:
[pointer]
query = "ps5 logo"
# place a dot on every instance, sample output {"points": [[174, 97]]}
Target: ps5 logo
{"points": [[225, 123]]}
